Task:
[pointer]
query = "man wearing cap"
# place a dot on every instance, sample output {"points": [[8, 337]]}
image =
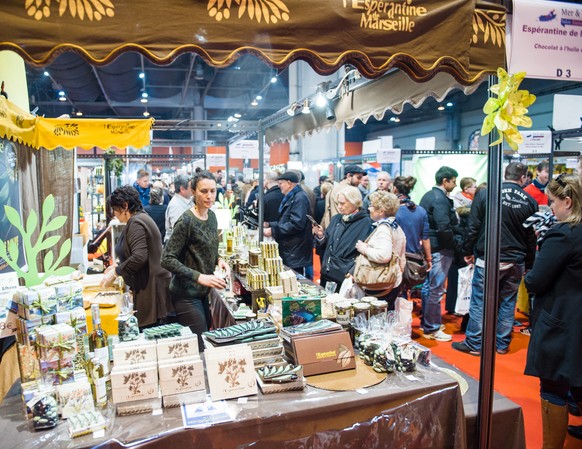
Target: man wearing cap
{"points": [[353, 175], [293, 230]]}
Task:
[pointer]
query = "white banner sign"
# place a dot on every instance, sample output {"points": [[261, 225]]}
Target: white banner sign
{"points": [[546, 40], [388, 156], [216, 160], [535, 142], [8, 283], [245, 149]]}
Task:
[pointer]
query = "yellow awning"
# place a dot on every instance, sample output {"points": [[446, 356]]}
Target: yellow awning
{"points": [[50, 133]]}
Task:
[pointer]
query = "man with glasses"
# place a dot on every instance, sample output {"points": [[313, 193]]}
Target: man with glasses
{"points": [[516, 254], [444, 241], [353, 175], [293, 229]]}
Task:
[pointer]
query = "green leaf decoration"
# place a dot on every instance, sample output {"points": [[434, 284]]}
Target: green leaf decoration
{"points": [[508, 110], [32, 250]]}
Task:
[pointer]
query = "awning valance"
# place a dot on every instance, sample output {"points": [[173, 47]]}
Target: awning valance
{"points": [[461, 37], [374, 99], [50, 133]]}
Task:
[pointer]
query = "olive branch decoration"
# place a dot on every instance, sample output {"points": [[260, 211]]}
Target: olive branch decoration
{"points": [[271, 11], [93, 9], [491, 24], [11, 252]]}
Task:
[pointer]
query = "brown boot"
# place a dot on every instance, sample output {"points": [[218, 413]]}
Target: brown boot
{"points": [[555, 425]]}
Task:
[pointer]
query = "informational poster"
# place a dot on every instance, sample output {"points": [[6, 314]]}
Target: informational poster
{"points": [[388, 155], [535, 142], [216, 160], [546, 40], [9, 196], [245, 149]]}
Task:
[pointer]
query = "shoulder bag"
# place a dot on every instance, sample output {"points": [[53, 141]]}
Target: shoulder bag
{"points": [[374, 276], [415, 270]]}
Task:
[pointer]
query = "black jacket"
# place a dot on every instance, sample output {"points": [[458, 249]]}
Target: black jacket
{"points": [[556, 280], [340, 244], [518, 244], [158, 214], [293, 231], [271, 202], [443, 230]]}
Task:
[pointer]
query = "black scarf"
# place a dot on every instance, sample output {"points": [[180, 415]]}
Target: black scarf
{"points": [[405, 199]]}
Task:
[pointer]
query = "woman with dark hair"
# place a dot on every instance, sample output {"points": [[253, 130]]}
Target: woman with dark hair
{"points": [[556, 338], [191, 255], [139, 249], [413, 220]]}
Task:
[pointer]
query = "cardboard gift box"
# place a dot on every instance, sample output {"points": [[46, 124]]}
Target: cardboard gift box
{"points": [[324, 353], [134, 352], [134, 383], [69, 295], [74, 398], [231, 372], [58, 372], [177, 347], [181, 376], [289, 282], [56, 342], [28, 362], [301, 310]]}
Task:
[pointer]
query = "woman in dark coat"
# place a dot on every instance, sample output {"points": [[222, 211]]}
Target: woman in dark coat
{"points": [[555, 347], [340, 237], [139, 250]]}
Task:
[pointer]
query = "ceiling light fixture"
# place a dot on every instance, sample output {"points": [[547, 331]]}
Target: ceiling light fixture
{"points": [[329, 113], [441, 108], [62, 98], [254, 103], [146, 114], [199, 73], [144, 100], [141, 75], [144, 94], [320, 100], [293, 109], [397, 120], [78, 113], [259, 97], [305, 109], [45, 73], [237, 115], [274, 79], [449, 104]]}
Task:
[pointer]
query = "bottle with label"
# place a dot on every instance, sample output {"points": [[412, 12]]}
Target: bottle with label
{"points": [[98, 343], [100, 381]]}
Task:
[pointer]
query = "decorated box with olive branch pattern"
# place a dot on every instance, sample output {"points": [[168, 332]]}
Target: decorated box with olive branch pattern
{"points": [[177, 347], [134, 352], [181, 375], [231, 372], [134, 383]]}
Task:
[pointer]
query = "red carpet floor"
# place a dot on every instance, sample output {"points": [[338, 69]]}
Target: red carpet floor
{"points": [[509, 378]]}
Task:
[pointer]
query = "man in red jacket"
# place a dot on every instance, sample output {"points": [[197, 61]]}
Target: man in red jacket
{"points": [[538, 185]]}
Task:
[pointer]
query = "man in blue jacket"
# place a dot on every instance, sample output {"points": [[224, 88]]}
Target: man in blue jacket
{"points": [[293, 229], [444, 240]]}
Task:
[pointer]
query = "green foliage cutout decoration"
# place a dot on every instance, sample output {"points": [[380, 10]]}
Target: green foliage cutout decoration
{"points": [[224, 202], [32, 277], [507, 111]]}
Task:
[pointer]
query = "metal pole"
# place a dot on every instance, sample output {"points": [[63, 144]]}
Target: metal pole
{"points": [[261, 137], [227, 165], [491, 294]]}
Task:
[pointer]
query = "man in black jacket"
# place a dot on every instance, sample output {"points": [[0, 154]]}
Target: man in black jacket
{"points": [[517, 252], [272, 198], [293, 230], [444, 240]]}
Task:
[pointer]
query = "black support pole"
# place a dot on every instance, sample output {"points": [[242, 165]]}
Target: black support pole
{"points": [[491, 294], [261, 137]]}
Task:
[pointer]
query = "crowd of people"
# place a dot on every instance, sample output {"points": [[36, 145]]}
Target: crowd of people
{"points": [[168, 253]]}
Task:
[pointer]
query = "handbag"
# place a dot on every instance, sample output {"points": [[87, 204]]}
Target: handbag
{"points": [[374, 276], [415, 269]]}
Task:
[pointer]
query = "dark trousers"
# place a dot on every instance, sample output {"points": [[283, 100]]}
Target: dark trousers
{"points": [[557, 392], [194, 313]]}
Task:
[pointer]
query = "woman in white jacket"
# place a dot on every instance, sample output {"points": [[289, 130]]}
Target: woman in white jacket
{"points": [[387, 241]]}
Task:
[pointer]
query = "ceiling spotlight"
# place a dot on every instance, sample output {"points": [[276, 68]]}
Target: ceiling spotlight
{"points": [[392, 119], [338, 164], [141, 75], [441, 108], [293, 109], [274, 79], [144, 100], [305, 109], [144, 94], [146, 114], [259, 97], [320, 100], [237, 115], [61, 93], [254, 103], [231, 119], [45, 73], [397, 120], [199, 73], [329, 113], [449, 104], [62, 98], [78, 113]]}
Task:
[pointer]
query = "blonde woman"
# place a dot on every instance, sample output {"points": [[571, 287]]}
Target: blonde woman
{"points": [[388, 240], [556, 338]]}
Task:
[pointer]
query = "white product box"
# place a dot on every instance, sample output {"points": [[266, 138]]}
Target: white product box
{"points": [[134, 383], [177, 347], [231, 372], [181, 376], [133, 352]]}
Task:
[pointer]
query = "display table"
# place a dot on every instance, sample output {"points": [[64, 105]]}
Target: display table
{"points": [[399, 412]]}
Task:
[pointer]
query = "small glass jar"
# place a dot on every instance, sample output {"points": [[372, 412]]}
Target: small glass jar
{"points": [[343, 313], [368, 299], [362, 310], [379, 308]]}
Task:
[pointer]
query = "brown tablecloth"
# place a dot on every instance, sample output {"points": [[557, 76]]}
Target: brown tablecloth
{"points": [[422, 413]]}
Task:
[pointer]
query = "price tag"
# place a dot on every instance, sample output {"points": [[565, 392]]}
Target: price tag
{"points": [[157, 411], [242, 400], [99, 433], [411, 378], [362, 391]]}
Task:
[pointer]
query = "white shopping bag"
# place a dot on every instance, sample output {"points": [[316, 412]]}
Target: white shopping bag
{"points": [[464, 289]]}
